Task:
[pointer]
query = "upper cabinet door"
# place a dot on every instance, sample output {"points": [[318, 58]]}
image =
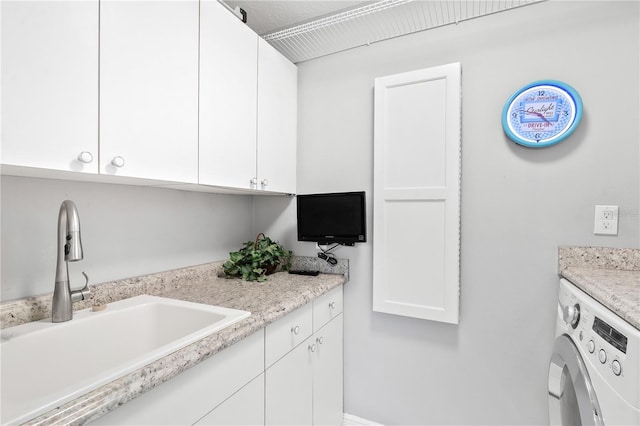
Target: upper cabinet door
{"points": [[277, 120], [50, 84], [228, 97], [149, 89]]}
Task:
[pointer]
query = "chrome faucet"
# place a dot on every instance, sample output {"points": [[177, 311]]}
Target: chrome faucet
{"points": [[69, 250]]}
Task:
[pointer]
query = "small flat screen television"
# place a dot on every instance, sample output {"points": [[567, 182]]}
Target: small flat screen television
{"points": [[335, 218]]}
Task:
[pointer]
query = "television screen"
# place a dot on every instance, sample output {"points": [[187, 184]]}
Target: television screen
{"points": [[332, 218]]}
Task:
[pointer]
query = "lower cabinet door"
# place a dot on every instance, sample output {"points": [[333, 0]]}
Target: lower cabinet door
{"points": [[186, 398], [245, 407], [327, 374], [288, 388]]}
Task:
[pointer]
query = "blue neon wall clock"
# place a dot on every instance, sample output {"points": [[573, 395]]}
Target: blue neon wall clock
{"points": [[542, 113]]}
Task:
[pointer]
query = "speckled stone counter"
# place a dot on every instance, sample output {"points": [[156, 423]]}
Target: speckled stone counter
{"points": [[609, 275], [268, 301]]}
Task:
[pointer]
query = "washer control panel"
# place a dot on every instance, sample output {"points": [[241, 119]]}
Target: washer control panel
{"points": [[607, 342], [610, 334]]}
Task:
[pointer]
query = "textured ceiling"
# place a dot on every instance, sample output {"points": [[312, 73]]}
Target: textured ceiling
{"points": [[264, 16]]}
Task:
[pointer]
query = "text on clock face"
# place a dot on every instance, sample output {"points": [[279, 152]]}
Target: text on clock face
{"points": [[539, 126]]}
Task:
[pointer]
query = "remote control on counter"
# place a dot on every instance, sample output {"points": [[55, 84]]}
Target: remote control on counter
{"points": [[301, 272]]}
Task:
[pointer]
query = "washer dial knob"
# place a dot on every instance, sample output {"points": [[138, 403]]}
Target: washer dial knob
{"points": [[571, 315]]}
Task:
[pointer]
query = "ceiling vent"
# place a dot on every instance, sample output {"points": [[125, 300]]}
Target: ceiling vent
{"points": [[379, 21]]}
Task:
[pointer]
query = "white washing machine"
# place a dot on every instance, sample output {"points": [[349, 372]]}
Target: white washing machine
{"points": [[594, 373]]}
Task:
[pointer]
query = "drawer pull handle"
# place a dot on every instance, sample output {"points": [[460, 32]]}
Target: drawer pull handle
{"points": [[332, 305], [295, 330], [320, 340], [312, 347]]}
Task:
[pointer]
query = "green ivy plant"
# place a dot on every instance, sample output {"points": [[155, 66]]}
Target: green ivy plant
{"points": [[257, 259]]}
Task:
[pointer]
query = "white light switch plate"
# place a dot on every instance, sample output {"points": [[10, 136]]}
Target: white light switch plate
{"points": [[606, 220]]}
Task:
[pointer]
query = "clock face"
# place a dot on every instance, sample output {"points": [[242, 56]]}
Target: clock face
{"points": [[542, 113]]}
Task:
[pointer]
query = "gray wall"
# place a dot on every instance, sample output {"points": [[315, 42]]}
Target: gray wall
{"points": [[518, 204], [126, 231]]}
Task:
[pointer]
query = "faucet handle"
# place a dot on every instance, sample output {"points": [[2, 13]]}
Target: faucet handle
{"points": [[84, 292]]}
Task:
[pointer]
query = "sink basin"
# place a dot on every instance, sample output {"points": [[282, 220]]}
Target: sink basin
{"points": [[44, 365]]}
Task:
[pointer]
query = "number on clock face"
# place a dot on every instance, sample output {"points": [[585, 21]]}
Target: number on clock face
{"points": [[542, 113]]}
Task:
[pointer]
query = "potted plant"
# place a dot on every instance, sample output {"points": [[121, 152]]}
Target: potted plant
{"points": [[257, 259]]}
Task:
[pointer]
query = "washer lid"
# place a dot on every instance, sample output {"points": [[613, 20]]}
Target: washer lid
{"points": [[572, 399]]}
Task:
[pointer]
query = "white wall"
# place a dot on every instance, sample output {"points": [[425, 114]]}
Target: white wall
{"points": [[518, 204], [126, 231]]}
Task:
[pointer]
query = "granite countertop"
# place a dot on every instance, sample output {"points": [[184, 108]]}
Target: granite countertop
{"points": [[611, 276], [267, 302]]}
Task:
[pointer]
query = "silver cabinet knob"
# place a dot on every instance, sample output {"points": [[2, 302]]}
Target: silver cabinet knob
{"points": [[320, 340], [85, 157], [118, 161], [264, 183], [332, 305], [312, 347], [295, 330], [254, 181]]}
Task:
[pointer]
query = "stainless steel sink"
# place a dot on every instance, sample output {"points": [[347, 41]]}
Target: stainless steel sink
{"points": [[45, 364]]}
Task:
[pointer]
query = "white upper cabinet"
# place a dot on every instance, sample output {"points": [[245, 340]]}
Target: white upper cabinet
{"points": [[173, 91], [149, 89], [50, 85], [277, 121], [228, 98]]}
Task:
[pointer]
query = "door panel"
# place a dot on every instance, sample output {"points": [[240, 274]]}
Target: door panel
{"points": [[572, 399], [416, 218]]}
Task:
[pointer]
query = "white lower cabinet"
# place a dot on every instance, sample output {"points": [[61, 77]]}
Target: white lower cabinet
{"points": [[305, 386], [191, 395], [288, 390], [245, 407], [327, 374], [290, 373]]}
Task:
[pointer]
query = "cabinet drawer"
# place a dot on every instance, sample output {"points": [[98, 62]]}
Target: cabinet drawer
{"points": [[287, 333], [327, 307]]}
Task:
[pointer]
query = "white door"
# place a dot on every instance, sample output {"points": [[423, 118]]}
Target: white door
{"points": [[228, 98], [277, 120], [572, 399], [416, 206], [50, 84], [149, 89], [288, 388], [328, 374]]}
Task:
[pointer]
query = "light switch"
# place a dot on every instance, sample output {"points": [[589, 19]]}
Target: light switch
{"points": [[606, 220]]}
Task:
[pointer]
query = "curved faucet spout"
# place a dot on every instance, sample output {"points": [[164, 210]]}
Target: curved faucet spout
{"points": [[69, 250]]}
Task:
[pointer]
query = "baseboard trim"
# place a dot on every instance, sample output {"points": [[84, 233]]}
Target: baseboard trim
{"points": [[351, 420]]}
